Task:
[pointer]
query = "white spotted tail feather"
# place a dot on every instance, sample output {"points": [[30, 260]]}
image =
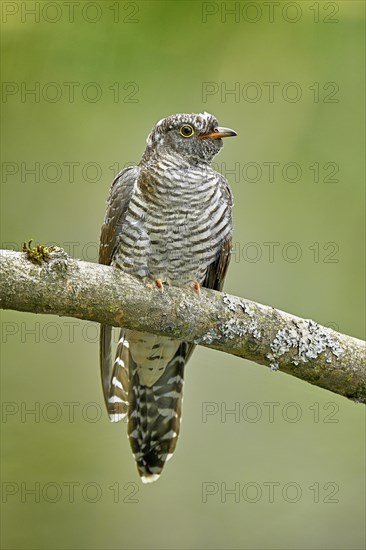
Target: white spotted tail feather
{"points": [[155, 416], [118, 394]]}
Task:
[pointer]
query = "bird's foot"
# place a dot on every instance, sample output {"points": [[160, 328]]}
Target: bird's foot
{"points": [[159, 284], [197, 287]]}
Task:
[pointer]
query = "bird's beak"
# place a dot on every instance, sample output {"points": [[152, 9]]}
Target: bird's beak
{"points": [[219, 133]]}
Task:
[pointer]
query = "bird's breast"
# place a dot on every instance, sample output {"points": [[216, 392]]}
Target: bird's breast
{"points": [[173, 233]]}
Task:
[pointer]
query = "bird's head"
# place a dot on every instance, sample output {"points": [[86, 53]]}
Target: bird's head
{"points": [[196, 138]]}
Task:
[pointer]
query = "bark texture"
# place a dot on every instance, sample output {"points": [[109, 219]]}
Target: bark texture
{"points": [[60, 285]]}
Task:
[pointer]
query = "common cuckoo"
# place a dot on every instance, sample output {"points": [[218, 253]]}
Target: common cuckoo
{"points": [[168, 221]]}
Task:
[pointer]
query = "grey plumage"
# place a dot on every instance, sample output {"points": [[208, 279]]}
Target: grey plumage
{"points": [[168, 220]]}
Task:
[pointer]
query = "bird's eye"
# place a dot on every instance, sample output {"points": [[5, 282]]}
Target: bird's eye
{"points": [[186, 130]]}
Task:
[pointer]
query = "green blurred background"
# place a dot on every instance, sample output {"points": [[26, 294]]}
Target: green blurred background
{"points": [[160, 56]]}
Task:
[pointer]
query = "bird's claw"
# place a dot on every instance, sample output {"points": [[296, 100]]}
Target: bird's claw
{"points": [[197, 287], [159, 284]]}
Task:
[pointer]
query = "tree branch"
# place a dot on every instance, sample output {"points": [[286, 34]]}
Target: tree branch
{"points": [[300, 347]]}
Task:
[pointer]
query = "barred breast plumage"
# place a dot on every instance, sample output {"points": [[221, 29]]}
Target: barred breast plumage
{"points": [[168, 220]]}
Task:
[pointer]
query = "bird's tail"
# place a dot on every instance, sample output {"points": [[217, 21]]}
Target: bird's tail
{"points": [[154, 412], [154, 416]]}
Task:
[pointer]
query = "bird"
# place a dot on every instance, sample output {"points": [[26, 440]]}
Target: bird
{"points": [[168, 222]]}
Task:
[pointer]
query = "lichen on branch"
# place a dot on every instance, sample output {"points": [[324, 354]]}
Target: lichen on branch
{"points": [[60, 285]]}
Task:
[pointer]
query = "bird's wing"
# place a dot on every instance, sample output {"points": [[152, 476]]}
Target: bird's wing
{"points": [[216, 272], [119, 197]]}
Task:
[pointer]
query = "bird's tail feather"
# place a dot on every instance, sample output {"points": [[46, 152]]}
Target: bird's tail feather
{"points": [[154, 417], [117, 401], [105, 351]]}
